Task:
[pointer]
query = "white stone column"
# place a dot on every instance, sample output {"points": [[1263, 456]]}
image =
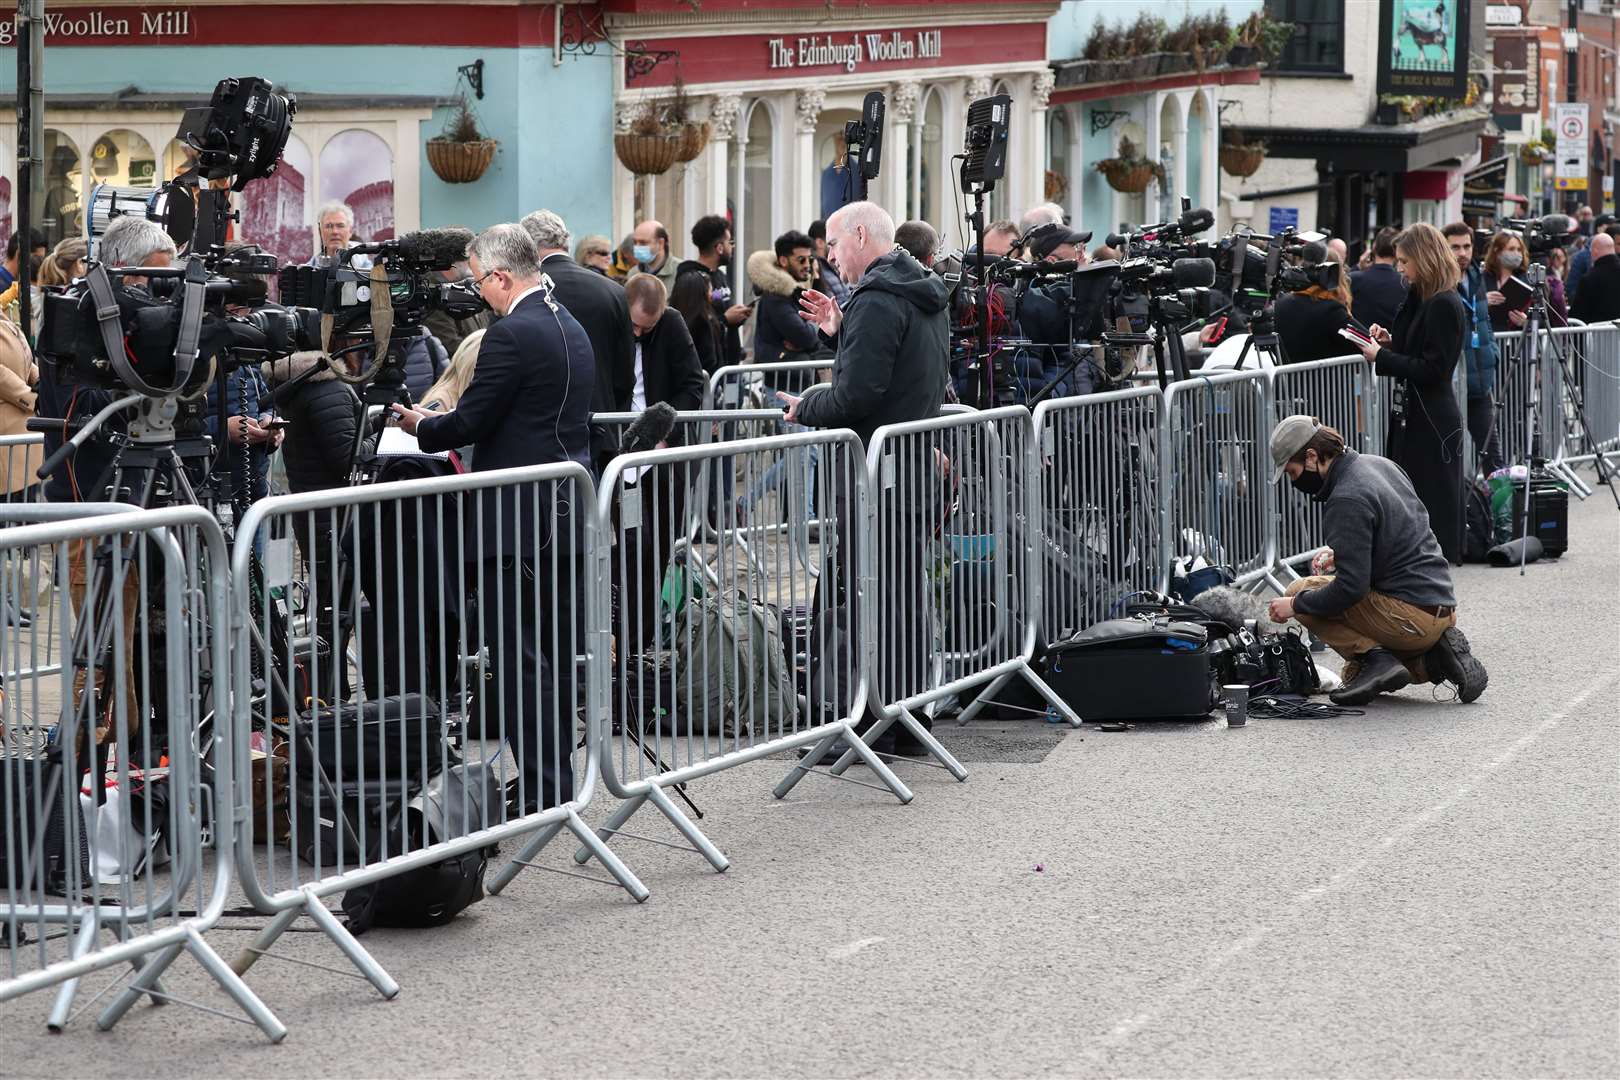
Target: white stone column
{"points": [[1151, 136], [1178, 146], [1077, 166], [723, 113], [1211, 183], [624, 182], [1040, 95], [894, 179], [804, 181]]}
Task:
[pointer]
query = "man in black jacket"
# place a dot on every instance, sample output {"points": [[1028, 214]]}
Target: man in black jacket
{"points": [[528, 404], [780, 277], [1376, 293], [893, 344], [712, 238], [599, 306], [1389, 607], [1598, 297]]}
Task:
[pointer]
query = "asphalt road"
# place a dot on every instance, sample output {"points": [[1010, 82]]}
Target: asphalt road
{"points": [[1429, 889]]}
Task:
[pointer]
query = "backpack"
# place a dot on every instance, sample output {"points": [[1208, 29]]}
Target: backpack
{"points": [[1479, 527], [730, 663]]}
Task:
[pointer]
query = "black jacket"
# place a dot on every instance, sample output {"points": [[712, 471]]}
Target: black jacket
{"points": [[669, 364], [598, 304], [1427, 438], [529, 403], [780, 333], [893, 351], [1308, 328], [321, 415], [1598, 297], [721, 297], [76, 479], [1376, 295]]}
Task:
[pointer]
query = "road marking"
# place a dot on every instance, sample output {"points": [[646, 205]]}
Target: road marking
{"points": [[1172, 1002], [844, 952]]}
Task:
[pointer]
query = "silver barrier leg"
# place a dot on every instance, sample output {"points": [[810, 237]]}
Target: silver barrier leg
{"points": [[978, 703], [1070, 717], [503, 877], [62, 1007], [215, 966], [373, 971], [145, 983], [620, 872], [262, 941], [906, 719], [846, 731], [616, 821]]}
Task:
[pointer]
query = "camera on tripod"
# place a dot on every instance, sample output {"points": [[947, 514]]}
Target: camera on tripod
{"points": [[157, 340], [409, 268], [1542, 234]]}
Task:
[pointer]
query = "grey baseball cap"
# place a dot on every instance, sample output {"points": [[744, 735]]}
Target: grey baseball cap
{"points": [[1289, 438]]}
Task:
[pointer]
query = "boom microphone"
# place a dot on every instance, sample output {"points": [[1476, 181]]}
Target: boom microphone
{"points": [[1195, 221], [649, 429], [1557, 224], [438, 248], [1194, 273], [1042, 269]]}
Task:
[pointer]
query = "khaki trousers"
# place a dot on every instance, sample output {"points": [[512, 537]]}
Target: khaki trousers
{"points": [[1376, 621]]}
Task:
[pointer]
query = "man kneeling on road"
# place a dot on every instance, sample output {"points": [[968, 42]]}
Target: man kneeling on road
{"points": [[1388, 607]]}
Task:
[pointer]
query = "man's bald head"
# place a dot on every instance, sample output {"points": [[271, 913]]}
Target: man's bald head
{"points": [[1602, 244], [653, 238]]}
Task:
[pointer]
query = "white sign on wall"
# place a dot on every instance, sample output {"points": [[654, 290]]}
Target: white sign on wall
{"points": [[1569, 120]]}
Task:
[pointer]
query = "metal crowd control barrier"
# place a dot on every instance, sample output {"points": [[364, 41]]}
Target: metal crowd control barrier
{"points": [[1217, 475], [20, 455], [956, 543], [726, 649], [1597, 375], [1530, 413], [114, 795], [411, 686], [1342, 393], [1098, 486], [733, 386]]}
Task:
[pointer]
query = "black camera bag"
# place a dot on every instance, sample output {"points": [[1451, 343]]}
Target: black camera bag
{"points": [[1134, 669]]}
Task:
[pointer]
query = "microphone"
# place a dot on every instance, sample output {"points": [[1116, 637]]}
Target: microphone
{"points": [[1557, 224], [1195, 221], [438, 248], [1042, 269], [649, 429], [1115, 240], [1194, 273]]}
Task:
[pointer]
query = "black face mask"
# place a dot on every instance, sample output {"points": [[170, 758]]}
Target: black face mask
{"points": [[1308, 483]]}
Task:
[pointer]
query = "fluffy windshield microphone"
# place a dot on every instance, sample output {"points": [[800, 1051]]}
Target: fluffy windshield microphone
{"points": [[649, 429], [437, 249], [1195, 221]]}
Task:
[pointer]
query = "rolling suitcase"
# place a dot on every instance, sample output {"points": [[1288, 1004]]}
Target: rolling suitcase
{"points": [[1134, 669]]}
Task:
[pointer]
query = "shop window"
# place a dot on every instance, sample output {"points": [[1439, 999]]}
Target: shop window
{"points": [[278, 211], [123, 158], [62, 215], [757, 173], [357, 168], [1318, 41]]}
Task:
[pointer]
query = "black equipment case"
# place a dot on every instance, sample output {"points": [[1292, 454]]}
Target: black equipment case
{"points": [[1134, 669], [1549, 511]]}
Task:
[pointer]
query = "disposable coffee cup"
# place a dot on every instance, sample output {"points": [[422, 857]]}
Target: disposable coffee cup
{"points": [[1237, 704]]}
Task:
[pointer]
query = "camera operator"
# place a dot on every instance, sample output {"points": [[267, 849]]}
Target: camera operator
{"points": [[1000, 237], [1479, 350], [920, 240], [528, 404], [1420, 354], [1047, 318], [336, 224], [1308, 321], [447, 328], [1388, 607], [1598, 298], [1376, 293], [892, 366]]}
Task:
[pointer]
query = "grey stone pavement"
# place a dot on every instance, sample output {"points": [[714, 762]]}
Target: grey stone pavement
{"points": [[1431, 889]]}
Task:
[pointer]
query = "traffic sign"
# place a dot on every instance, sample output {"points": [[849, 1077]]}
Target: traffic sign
{"points": [[1570, 122]]}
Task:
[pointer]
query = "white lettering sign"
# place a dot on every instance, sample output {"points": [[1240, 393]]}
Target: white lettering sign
{"points": [[98, 24], [849, 53]]}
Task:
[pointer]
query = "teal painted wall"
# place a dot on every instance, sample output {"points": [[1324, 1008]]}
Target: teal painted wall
{"points": [[554, 124]]}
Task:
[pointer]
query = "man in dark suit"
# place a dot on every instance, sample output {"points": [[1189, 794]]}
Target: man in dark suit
{"points": [[666, 370], [1376, 293], [528, 404], [599, 305]]}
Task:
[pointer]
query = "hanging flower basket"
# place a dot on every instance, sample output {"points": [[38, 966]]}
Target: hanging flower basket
{"points": [[648, 155], [1242, 159], [1130, 173], [460, 162], [694, 137]]}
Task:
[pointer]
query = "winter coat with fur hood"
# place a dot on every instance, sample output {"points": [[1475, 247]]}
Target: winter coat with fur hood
{"points": [[780, 333], [321, 416]]}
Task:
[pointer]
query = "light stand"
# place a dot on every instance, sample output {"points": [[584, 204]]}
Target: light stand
{"points": [[984, 161]]}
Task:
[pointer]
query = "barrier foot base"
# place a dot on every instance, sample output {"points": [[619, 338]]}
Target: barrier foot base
{"points": [[858, 748], [906, 719], [503, 877], [221, 972], [1070, 717], [984, 698], [368, 968], [620, 872], [688, 829]]}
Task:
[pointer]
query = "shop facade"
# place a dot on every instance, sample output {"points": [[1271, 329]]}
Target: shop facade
{"points": [[777, 83], [373, 82]]}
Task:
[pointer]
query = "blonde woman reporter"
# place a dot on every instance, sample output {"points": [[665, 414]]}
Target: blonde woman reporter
{"points": [[1420, 355]]}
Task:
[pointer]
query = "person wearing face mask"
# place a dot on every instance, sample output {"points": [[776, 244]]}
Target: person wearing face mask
{"points": [[529, 403], [649, 248], [1381, 594], [1504, 259]]}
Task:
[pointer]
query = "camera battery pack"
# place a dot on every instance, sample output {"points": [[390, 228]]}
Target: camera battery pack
{"points": [[1549, 512]]}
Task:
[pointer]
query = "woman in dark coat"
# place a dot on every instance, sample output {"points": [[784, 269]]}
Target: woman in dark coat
{"points": [[1420, 356], [1309, 321]]}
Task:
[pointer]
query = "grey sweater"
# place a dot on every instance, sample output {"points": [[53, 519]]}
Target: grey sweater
{"points": [[1381, 540]]}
